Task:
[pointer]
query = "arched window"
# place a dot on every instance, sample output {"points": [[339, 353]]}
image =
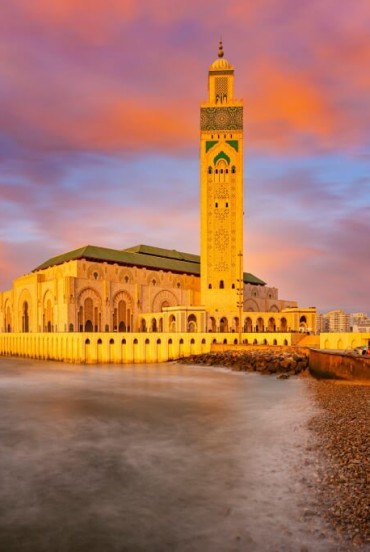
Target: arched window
{"points": [[222, 285], [233, 170], [209, 286], [209, 170]]}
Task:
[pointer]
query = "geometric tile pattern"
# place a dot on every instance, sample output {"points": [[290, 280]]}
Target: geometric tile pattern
{"points": [[221, 118]]}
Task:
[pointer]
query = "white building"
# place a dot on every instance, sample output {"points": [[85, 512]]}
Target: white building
{"points": [[333, 321]]}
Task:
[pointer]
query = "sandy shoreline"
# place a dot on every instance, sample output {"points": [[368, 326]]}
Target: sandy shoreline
{"points": [[342, 431]]}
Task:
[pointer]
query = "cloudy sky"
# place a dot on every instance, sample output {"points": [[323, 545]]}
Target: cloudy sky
{"points": [[99, 133]]}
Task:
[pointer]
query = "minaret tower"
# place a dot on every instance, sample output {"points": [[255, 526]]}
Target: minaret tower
{"points": [[221, 184]]}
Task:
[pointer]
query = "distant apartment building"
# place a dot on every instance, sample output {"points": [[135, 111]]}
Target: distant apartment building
{"points": [[360, 322], [333, 321], [322, 324]]}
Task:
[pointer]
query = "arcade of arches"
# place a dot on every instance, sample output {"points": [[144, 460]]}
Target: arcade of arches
{"points": [[82, 296]]}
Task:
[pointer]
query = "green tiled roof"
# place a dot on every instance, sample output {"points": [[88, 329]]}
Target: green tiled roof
{"points": [[141, 256], [249, 278], [166, 253]]}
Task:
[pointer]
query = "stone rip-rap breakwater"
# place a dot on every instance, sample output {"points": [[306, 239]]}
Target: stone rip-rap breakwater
{"points": [[283, 363]]}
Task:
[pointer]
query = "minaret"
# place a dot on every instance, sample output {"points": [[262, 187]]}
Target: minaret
{"points": [[221, 184]]}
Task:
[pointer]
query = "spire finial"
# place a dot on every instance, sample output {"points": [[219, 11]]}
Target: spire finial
{"points": [[220, 50]]}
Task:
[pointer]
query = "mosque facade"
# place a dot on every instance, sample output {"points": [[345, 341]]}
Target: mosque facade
{"points": [[145, 289]]}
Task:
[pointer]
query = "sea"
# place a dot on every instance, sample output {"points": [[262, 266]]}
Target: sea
{"points": [[155, 457]]}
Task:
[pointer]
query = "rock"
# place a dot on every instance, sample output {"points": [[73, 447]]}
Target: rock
{"points": [[343, 436]]}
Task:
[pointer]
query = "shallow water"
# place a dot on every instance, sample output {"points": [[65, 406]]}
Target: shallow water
{"points": [[158, 457]]}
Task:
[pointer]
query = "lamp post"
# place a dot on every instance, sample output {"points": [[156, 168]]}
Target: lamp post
{"points": [[240, 294]]}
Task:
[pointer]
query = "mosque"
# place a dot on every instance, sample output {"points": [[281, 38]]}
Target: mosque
{"points": [[145, 289]]}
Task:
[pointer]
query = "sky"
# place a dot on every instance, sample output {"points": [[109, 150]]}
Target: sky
{"points": [[99, 133]]}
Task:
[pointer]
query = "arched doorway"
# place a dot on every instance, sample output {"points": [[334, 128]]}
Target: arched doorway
{"points": [[121, 313], [25, 318], [224, 325], [89, 312], [271, 325], [8, 317], [48, 313], [260, 326], [172, 323], [248, 326], [192, 323], [303, 324]]}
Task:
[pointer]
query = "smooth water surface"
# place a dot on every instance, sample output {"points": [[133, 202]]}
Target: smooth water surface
{"points": [[158, 457]]}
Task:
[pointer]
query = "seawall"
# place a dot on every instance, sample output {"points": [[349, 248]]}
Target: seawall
{"points": [[329, 364], [121, 348]]}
